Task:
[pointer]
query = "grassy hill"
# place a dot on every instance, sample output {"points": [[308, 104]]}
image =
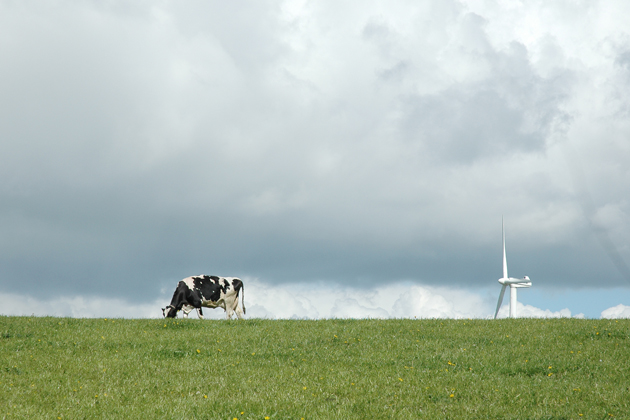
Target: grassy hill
{"points": [[328, 369]]}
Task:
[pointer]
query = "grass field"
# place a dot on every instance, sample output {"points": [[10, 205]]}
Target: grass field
{"points": [[63, 368]]}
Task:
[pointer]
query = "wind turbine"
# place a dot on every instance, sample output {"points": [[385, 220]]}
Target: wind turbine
{"points": [[509, 281]]}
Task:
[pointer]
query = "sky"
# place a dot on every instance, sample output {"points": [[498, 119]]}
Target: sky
{"points": [[345, 159]]}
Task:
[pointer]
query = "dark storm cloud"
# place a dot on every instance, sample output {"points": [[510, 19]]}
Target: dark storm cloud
{"points": [[291, 142]]}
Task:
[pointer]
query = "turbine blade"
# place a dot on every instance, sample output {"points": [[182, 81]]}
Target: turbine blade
{"points": [[500, 301], [505, 272]]}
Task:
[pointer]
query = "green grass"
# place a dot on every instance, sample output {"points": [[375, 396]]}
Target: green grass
{"points": [[329, 369]]}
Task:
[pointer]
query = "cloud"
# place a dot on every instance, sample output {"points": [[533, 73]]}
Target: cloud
{"points": [[329, 300], [619, 311], [311, 142], [303, 301], [528, 311], [78, 307]]}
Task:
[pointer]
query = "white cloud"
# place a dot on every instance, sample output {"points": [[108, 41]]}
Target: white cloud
{"points": [[78, 307], [528, 311], [425, 302], [327, 300], [303, 301], [619, 311]]}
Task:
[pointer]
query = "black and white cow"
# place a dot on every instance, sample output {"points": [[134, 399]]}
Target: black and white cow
{"points": [[209, 291]]}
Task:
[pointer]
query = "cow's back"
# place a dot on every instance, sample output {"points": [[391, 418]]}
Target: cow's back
{"points": [[208, 288]]}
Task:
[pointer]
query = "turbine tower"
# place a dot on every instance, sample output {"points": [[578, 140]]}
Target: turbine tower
{"points": [[509, 281]]}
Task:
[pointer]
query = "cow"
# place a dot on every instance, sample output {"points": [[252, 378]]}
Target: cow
{"points": [[209, 291]]}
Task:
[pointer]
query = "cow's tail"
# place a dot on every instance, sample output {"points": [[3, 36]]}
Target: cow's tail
{"points": [[243, 297]]}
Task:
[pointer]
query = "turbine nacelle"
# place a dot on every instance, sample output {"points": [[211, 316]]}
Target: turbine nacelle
{"points": [[524, 282]]}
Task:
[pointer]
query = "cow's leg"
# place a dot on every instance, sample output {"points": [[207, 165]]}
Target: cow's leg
{"points": [[186, 309], [195, 302], [228, 309], [237, 309]]}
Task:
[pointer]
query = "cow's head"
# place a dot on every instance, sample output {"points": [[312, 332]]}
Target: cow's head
{"points": [[169, 312]]}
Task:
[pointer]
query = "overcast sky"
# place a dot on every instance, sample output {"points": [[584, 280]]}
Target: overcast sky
{"points": [[315, 146]]}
